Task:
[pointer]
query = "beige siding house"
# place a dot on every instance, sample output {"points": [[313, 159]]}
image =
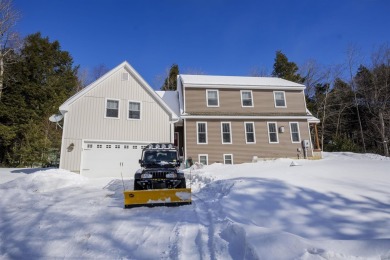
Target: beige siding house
{"points": [[236, 119], [107, 124]]}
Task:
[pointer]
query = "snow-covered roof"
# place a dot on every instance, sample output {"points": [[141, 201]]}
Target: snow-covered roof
{"points": [[312, 119], [171, 98], [238, 82]]}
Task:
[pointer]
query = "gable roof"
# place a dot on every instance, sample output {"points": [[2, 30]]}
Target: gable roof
{"points": [[65, 106], [238, 82], [171, 98]]}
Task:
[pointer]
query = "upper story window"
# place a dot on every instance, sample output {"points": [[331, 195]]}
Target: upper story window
{"points": [[212, 98], [273, 132], [250, 132], [294, 129], [201, 132], [134, 110], [246, 98], [280, 99], [226, 133], [112, 108]]}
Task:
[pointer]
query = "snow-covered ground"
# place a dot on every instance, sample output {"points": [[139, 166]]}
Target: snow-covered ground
{"points": [[335, 208]]}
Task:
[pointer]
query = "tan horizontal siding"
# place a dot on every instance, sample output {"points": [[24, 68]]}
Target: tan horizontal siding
{"points": [[230, 101], [241, 151]]}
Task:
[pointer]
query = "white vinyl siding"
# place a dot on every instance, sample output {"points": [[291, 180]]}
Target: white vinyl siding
{"points": [[203, 159], [228, 158], [246, 98], [280, 99], [294, 130], [201, 132], [273, 132], [250, 132], [112, 108], [134, 110], [226, 132], [212, 97]]}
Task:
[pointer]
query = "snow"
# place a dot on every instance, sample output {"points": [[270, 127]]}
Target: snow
{"points": [[334, 208]]}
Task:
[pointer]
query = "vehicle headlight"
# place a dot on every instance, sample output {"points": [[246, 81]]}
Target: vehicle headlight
{"points": [[171, 175], [146, 176]]}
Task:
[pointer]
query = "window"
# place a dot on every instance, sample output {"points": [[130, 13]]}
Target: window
{"points": [[294, 129], [117, 146], [112, 108], [246, 98], [250, 132], [226, 133], [135, 147], [212, 98], [280, 99], [143, 147], [202, 132], [228, 158], [89, 146], [99, 146], [203, 159], [272, 132], [126, 147], [108, 146], [125, 76], [134, 110]]}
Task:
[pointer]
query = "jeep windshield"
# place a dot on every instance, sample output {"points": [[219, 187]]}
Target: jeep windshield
{"points": [[160, 158]]}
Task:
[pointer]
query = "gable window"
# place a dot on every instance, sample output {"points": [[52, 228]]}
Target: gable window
{"points": [[246, 98], [212, 98], [112, 108], [280, 99], [250, 132], [228, 158], [134, 110], [203, 159], [272, 132], [294, 129], [201, 132], [226, 133]]}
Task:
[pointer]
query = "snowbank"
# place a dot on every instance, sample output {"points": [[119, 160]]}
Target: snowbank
{"points": [[335, 208]]}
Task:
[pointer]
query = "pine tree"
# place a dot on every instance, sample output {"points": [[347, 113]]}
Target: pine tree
{"points": [[285, 69], [171, 81]]}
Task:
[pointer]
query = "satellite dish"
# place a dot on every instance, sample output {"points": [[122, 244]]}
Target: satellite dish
{"points": [[56, 118]]}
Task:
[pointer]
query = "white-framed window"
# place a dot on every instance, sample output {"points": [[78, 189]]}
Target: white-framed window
{"points": [[226, 132], [273, 132], [212, 96], [143, 147], [250, 132], [228, 158], [117, 146], [135, 147], [280, 99], [126, 146], [294, 130], [134, 110], [203, 159], [112, 108], [89, 146], [246, 98], [108, 146], [99, 146], [201, 132]]}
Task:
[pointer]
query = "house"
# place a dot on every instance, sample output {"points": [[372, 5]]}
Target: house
{"points": [[237, 119], [107, 124]]}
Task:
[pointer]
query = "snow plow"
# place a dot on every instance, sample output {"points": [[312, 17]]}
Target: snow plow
{"points": [[159, 182]]}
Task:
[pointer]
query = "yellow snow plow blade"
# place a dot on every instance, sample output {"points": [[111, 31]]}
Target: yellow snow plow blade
{"points": [[162, 197]]}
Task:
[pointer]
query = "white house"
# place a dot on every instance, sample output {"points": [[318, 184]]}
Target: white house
{"points": [[107, 124]]}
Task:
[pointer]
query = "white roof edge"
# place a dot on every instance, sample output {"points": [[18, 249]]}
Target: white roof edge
{"points": [[245, 117], [65, 106], [244, 86]]}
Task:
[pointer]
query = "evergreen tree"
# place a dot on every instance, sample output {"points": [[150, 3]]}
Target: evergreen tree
{"points": [[285, 69], [43, 78], [171, 81]]}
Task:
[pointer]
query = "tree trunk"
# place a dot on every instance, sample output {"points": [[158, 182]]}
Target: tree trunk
{"points": [[1, 74], [383, 133]]}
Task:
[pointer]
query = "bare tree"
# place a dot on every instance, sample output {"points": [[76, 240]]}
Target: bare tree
{"points": [[313, 74], [82, 79], [193, 71], [8, 38], [99, 71], [351, 64], [259, 72]]}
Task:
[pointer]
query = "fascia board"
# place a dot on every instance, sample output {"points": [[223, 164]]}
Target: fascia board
{"points": [[245, 117], [249, 87]]}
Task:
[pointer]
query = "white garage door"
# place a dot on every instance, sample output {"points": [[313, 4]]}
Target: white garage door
{"points": [[110, 159]]}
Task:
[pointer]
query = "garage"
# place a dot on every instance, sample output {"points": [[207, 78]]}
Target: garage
{"points": [[110, 159]]}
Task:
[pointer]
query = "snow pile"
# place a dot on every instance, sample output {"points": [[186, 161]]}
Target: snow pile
{"points": [[335, 208]]}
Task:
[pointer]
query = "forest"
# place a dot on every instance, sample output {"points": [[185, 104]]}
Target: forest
{"points": [[352, 100]]}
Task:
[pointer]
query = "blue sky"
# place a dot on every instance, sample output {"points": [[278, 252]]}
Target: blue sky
{"points": [[217, 37]]}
